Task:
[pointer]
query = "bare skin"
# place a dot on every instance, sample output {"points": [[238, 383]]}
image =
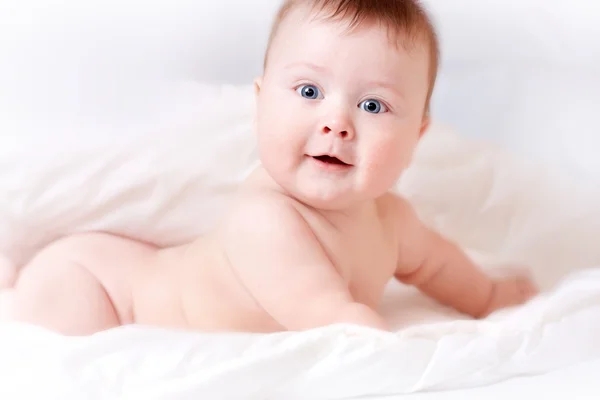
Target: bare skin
{"points": [[299, 268], [315, 234]]}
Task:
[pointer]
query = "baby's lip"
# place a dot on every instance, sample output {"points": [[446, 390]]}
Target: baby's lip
{"points": [[331, 159]]}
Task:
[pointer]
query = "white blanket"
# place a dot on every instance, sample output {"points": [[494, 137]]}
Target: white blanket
{"points": [[331, 363], [501, 210]]}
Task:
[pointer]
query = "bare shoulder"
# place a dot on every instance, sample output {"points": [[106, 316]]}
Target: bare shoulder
{"points": [[260, 206], [279, 260], [262, 212], [413, 236], [265, 226], [397, 209]]}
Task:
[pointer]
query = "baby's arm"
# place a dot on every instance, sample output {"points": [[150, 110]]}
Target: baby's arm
{"points": [[440, 269], [278, 259]]}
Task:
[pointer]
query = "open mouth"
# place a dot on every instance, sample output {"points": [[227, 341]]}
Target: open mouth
{"points": [[331, 160]]}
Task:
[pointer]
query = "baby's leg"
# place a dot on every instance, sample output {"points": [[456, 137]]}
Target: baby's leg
{"points": [[62, 295]]}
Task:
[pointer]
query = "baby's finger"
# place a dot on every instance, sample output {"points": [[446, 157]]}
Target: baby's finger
{"points": [[527, 288]]}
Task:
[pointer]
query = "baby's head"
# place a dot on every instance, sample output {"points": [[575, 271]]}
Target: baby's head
{"points": [[344, 97]]}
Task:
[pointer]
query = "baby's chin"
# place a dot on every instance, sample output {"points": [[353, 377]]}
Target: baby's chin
{"points": [[330, 196], [324, 190]]}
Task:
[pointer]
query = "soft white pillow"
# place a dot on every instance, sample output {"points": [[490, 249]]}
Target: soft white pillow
{"points": [[162, 175]]}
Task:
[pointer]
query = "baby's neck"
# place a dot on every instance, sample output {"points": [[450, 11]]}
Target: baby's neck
{"points": [[348, 212], [335, 215]]}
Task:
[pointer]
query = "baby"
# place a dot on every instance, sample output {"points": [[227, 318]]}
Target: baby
{"points": [[315, 234]]}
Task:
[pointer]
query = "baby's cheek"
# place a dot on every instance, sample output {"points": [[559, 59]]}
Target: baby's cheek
{"points": [[389, 155], [386, 161], [278, 141], [269, 127]]}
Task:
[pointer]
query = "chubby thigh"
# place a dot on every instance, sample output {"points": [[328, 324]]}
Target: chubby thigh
{"points": [[81, 284]]}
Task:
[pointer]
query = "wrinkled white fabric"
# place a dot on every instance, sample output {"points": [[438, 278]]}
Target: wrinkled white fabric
{"points": [[331, 363]]}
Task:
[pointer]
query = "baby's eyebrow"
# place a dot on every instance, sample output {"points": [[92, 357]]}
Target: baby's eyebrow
{"points": [[314, 67], [386, 85]]}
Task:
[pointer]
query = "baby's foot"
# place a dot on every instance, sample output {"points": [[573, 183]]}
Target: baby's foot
{"points": [[509, 292]]}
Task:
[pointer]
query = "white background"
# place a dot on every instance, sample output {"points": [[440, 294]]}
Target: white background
{"points": [[524, 73]]}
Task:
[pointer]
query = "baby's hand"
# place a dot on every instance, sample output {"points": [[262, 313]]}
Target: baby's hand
{"points": [[508, 292]]}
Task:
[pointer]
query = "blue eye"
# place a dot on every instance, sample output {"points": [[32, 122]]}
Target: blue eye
{"points": [[373, 106], [309, 91]]}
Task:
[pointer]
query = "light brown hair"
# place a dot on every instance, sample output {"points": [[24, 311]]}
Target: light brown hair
{"points": [[406, 20]]}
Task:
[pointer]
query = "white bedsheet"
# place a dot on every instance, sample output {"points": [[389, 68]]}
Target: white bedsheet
{"points": [[331, 363], [501, 210], [578, 382]]}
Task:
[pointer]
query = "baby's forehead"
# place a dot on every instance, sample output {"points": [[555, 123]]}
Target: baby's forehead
{"points": [[408, 34], [310, 28], [365, 44]]}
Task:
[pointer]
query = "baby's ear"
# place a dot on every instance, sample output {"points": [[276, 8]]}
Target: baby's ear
{"points": [[257, 85], [425, 124]]}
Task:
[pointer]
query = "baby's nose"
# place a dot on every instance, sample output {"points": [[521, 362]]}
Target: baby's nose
{"points": [[340, 127]]}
